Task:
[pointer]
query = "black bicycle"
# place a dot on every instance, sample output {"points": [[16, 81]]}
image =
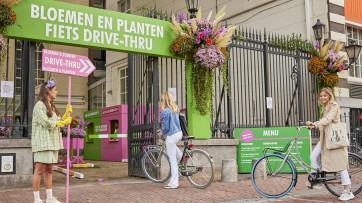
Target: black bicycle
{"points": [[196, 164]]}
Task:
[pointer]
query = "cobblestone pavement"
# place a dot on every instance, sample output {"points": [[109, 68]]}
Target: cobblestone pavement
{"points": [[129, 189]]}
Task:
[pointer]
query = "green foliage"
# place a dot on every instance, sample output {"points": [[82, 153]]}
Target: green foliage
{"points": [[146, 10], [292, 43], [202, 88]]}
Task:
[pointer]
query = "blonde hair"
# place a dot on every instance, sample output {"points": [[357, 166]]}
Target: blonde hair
{"points": [[328, 91], [167, 101]]}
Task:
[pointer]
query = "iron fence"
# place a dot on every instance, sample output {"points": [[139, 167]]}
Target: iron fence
{"points": [[260, 72], [16, 111]]}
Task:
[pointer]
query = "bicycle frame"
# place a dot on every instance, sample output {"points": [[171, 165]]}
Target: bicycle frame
{"points": [[288, 152], [289, 147], [185, 154]]}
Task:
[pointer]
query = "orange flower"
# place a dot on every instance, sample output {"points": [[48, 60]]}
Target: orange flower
{"points": [[315, 65], [330, 80]]}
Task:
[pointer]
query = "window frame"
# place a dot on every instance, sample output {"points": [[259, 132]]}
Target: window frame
{"points": [[355, 34]]}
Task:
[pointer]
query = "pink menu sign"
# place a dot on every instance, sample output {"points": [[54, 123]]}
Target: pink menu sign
{"points": [[66, 63]]}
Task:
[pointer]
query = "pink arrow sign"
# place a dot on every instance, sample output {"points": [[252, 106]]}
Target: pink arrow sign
{"points": [[66, 63]]}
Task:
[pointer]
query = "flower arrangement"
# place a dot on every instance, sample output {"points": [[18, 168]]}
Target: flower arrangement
{"points": [[76, 128], [326, 63], [203, 43], [5, 131], [7, 15]]}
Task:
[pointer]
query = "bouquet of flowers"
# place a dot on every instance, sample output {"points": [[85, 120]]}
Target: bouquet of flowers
{"points": [[203, 43], [5, 131], [76, 128], [326, 63], [7, 18]]}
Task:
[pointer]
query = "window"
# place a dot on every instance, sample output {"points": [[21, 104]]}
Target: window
{"points": [[17, 75], [97, 97], [355, 34], [124, 6], [123, 85], [99, 4], [39, 74], [99, 59]]}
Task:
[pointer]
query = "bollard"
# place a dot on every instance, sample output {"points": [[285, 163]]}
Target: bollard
{"points": [[260, 172], [229, 171]]}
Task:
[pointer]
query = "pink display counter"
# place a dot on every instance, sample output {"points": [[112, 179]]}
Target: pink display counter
{"points": [[115, 120]]}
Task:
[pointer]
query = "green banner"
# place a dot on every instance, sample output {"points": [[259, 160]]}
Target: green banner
{"points": [[252, 142], [70, 24], [91, 114]]}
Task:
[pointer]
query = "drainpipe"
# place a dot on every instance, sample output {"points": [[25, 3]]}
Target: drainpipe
{"points": [[307, 19]]}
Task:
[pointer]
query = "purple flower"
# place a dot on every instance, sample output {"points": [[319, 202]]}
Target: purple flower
{"points": [[76, 129], [180, 17], [209, 57], [222, 29], [323, 71], [317, 45], [330, 65]]}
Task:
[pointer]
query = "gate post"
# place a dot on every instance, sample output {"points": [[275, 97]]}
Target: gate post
{"points": [[155, 97], [31, 84], [198, 125], [130, 113], [266, 79], [300, 87]]}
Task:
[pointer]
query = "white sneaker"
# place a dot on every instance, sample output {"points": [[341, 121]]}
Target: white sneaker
{"points": [[315, 186], [38, 201], [52, 200], [346, 196]]}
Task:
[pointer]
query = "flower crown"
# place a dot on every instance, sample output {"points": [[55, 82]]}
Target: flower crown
{"points": [[51, 83]]}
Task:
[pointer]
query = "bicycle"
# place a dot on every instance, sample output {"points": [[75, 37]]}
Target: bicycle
{"points": [[274, 174], [196, 164], [355, 140]]}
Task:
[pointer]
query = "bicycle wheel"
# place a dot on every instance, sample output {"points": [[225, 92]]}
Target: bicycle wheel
{"points": [[156, 166], [199, 168], [272, 179], [355, 173]]}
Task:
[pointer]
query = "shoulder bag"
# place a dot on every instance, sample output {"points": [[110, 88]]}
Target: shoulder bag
{"points": [[336, 135]]}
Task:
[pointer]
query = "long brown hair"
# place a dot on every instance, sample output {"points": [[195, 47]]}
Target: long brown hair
{"points": [[43, 96]]}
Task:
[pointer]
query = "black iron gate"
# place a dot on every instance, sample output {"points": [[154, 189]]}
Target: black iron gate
{"points": [[260, 69], [147, 78], [16, 111]]}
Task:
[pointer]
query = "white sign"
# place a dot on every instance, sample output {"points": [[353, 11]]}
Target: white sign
{"points": [[7, 164], [101, 128], [172, 91], [269, 103], [7, 89]]}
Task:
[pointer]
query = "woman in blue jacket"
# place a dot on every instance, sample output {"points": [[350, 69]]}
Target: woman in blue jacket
{"points": [[171, 130]]}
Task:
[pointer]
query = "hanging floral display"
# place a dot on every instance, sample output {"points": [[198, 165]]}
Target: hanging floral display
{"points": [[326, 63], [203, 43], [7, 18]]}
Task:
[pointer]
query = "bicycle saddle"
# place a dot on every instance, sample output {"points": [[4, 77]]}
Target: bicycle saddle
{"points": [[188, 137]]}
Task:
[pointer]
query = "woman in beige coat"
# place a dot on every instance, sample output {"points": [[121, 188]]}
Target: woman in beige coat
{"points": [[336, 159]]}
